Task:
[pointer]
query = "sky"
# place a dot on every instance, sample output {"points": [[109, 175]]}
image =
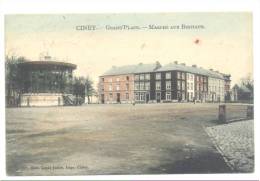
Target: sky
{"points": [[224, 43]]}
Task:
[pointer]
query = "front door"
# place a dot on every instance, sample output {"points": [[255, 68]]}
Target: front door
{"points": [[158, 97], [118, 97], [147, 97], [102, 98]]}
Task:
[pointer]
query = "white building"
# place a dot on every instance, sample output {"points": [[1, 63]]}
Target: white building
{"points": [[216, 88], [190, 85]]}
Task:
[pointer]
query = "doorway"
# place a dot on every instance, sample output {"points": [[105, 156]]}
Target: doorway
{"points": [[147, 97], [118, 98], [158, 97]]}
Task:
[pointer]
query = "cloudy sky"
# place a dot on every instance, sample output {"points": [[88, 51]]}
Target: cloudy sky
{"points": [[224, 44]]}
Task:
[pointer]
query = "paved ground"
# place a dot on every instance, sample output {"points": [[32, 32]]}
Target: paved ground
{"points": [[113, 139], [236, 143]]}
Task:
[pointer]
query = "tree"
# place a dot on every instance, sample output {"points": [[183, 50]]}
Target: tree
{"points": [[89, 90], [248, 82], [83, 87], [13, 80]]}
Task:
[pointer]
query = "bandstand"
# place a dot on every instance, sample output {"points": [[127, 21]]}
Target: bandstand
{"points": [[46, 83]]}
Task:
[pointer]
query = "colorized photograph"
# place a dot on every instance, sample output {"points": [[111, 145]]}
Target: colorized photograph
{"points": [[129, 94]]}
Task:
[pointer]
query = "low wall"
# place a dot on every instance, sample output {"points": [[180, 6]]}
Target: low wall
{"points": [[41, 99]]}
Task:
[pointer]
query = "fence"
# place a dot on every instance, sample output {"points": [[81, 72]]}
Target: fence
{"points": [[234, 112]]}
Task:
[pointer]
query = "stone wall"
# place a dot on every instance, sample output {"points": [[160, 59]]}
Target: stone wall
{"points": [[42, 99]]}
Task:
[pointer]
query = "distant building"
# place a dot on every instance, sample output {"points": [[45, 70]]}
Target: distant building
{"points": [[144, 83], [46, 83]]}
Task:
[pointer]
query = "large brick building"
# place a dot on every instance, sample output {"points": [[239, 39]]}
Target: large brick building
{"points": [[145, 83]]}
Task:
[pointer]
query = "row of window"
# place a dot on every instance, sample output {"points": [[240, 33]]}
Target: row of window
{"points": [[216, 89], [142, 86], [117, 79], [180, 75], [200, 78], [180, 86], [110, 87], [142, 77], [111, 96], [143, 96]]}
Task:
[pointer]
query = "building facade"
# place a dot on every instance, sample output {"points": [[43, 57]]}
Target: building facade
{"points": [[116, 88], [155, 83]]}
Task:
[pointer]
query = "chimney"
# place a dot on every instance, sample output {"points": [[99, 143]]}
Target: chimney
{"points": [[140, 63], [194, 65], [176, 62], [211, 69], [183, 64], [157, 65]]}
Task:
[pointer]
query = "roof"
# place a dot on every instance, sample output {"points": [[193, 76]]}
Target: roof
{"points": [[190, 69], [131, 69], [48, 63]]}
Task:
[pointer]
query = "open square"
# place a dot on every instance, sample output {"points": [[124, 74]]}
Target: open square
{"points": [[113, 139]]}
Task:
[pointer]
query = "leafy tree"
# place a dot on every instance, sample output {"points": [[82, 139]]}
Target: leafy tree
{"points": [[248, 82], [83, 87], [13, 79]]}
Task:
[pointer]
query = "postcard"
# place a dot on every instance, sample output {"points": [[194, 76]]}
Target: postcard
{"points": [[129, 93]]}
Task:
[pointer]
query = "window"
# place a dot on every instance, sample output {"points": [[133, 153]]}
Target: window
{"points": [[117, 87], [147, 86], [102, 79], [179, 85], [110, 87], [188, 85], [191, 86], [183, 75], [127, 78], [127, 86], [191, 77], [168, 85], [158, 85], [136, 86], [179, 75], [142, 96], [168, 96], [142, 77], [136, 96], [147, 76], [158, 76], [188, 76], [141, 85], [136, 77], [110, 80], [197, 78], [205, 87], [168, 75], [117, 79], [183, 85], [126, 96]]}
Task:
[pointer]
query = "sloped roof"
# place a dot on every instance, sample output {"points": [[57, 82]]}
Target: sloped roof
{"points": [[190, 69], [131, 69]]}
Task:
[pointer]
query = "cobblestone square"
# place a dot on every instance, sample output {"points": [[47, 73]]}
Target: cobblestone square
{"points": [[236, 143]]}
